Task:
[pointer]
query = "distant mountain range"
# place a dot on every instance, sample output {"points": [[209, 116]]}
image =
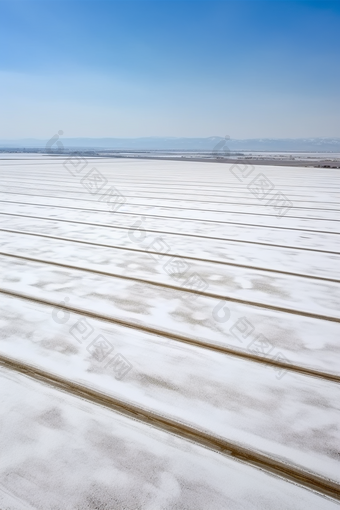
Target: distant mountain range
{"points": [[183, 144]]}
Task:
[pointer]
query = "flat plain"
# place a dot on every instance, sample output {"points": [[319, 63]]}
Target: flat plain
{"points": [[169, 335]]}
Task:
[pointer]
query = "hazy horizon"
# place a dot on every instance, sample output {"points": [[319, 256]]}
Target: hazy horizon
{"points": [[58, 141]]}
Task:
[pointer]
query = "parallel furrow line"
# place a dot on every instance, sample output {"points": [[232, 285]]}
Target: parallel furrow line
{"points": [[181, 234], [275, 466], [77, 192], [202, 344], [169, 254], [176, 207], [185, 218]]}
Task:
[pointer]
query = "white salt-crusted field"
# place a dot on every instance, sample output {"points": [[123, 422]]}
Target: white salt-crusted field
{"points": [[169, 339]]}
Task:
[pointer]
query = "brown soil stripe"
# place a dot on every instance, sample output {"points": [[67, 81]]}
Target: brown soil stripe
{"points": [[199, 236], [180, 338], [186, 257], [165, 206], [226, 200], [200, 220], [274, 466], [177, 288]]}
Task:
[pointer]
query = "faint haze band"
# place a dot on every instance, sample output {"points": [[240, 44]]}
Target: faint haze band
{"points": [[260, 187], [94, 182]]}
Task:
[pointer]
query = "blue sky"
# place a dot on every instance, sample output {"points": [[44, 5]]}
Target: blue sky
{"points": [[129, 68]]}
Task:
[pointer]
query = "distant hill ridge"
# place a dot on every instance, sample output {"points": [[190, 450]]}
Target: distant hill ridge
{"points": [[190, 144]]}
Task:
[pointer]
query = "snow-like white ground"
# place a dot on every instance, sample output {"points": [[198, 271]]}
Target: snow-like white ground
{"points": [[194, 302], [59, 452]]}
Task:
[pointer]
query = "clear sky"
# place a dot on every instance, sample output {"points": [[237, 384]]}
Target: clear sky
{"points": [[128, 68]]}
